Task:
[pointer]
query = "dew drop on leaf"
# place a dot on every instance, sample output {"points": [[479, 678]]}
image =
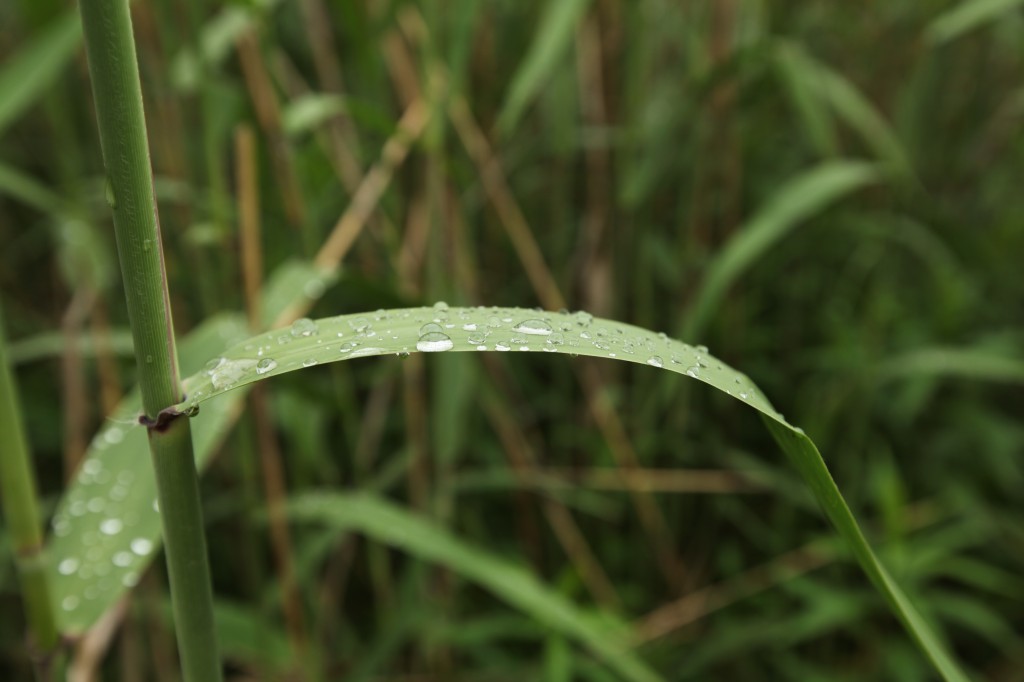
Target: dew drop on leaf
{"points": [[655, 361], [265, 365], [535, 327], [434, 342], [304, 327]]}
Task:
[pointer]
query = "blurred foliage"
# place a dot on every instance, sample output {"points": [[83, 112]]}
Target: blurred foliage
{"points": [[645, 145]]}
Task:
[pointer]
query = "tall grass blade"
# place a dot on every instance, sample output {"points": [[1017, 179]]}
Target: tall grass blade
{"points": [[815, 79], [30, 73], [964, 363], [385, 522], [966, 16], [557, 29], [797, 200]]}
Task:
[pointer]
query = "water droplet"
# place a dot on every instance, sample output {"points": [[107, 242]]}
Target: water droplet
{"points": [[655, 361], [583, 318], [108, 191], [111, 526], [230, 372], [304, 327], [68, 566], [402, 354], [69, 603], [141, 546], [702, 349], [309, 362], [123, 559], [114, 435], [502, 347], [434, 342], [440, 306], [360, 324], [469, 327], [555, 339], [130, 579], [96, 505], [475, 339], [147, 244], [493, 321], [212, 365], [535, 327], [266, 365], [692, 372], [431, 328]]}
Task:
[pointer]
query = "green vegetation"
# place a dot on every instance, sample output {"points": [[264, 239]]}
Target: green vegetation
{"points": [[824, 195]]}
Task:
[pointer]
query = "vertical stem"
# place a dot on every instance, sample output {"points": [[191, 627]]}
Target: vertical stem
{"points": [[21, 511], [118, 98]]}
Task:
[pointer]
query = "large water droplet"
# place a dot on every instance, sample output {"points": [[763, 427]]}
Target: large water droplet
{"points": [[304, 327], [583, 318], [69, 603], [309, 362], [440, 306], [266, 365], [111, 526], [212, 365], [535, 327], [655, 361], [68, 566], [434, 342], [431, 328], [141, 546]]}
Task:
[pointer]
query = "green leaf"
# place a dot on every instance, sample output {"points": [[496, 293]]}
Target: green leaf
{"points": [[84, 535], [30, 73], [388, 523], [557, 28], [796, 201], [965, 17]]}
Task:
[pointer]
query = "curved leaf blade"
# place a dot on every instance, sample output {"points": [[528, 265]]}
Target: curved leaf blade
{"points": [[443, 329], [28, 74], [392, 525], [797, 200]]}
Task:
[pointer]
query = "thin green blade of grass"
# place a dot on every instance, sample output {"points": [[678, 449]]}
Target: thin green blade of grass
{"points": [[965, 17], [963, 363], [557, 29], [29, 191], [797, 200], [54, 344], [442, 329], [800, 79], [814, 85], [386, 522], [30, 73]]}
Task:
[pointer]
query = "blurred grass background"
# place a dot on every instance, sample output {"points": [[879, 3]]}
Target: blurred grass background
{"points": [[593, 154]]}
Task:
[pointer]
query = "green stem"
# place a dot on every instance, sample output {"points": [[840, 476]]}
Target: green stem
{"points": [[21, 509], [117, 93]]}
